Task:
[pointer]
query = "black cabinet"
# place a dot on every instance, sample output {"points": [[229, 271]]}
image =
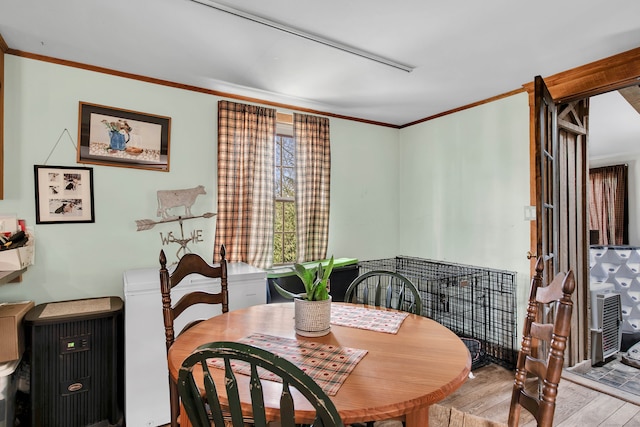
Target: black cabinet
{"points": [[76, 357]]}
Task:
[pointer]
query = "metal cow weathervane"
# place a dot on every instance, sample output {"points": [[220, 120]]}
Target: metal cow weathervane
{"points": [[168, 201]]}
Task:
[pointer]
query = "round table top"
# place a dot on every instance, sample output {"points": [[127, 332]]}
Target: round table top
{"points": [[401, 373]]}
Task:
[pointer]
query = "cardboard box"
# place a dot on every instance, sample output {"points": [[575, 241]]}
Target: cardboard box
{"points": [[11, 329], [19, 258]]}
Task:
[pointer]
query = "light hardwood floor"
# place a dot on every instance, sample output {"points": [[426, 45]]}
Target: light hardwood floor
{"points": [[488, 395]]}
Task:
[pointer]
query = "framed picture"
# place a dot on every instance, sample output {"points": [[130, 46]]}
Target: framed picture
{"points": [[63, 194], [115, 137]]}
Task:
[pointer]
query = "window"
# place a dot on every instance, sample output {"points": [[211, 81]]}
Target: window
{"points": [[301, 190], [609, 205], [284, 239]]}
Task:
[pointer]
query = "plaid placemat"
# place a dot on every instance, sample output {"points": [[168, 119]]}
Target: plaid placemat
{"points": [[328, 365], [366, 318]]}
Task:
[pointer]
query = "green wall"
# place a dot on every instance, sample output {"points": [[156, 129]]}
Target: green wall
{"points": [[87, 260], [464, 183], [453, 188]]}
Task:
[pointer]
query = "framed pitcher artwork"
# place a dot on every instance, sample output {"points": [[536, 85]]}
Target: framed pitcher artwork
{"points": [[115, 137]]}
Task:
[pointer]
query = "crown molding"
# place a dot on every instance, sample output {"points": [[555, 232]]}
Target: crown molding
{"points": [[3, 45]]}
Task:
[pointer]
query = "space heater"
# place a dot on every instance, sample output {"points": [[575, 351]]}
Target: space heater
{"points": [[606, 331], [77, 363]]}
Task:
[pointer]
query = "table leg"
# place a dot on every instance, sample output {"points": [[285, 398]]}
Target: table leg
{"points": [[418, 418]]}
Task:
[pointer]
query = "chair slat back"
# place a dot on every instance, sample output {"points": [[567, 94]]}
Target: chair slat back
{"points": [[232, 352], [541, 354], [188, 264], [387, 289]]}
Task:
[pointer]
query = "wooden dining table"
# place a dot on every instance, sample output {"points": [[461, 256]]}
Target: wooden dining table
{"points": [[401, 375]]}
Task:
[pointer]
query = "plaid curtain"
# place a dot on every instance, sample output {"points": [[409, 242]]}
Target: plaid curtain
{"points": [[608, 204], [244, 223], [313, 177]]}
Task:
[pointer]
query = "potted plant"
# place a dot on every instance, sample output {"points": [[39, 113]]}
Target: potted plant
{"points": [[312, 307]]}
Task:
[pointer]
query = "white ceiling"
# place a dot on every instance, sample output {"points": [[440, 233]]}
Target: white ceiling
{"points": [[614, 127], [463, 51]]}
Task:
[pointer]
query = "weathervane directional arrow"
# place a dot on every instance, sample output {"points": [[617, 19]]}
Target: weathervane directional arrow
{"points": [[148, 224]]}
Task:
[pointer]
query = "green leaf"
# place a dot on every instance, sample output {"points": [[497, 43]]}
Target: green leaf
{"points": [[304, 274], [327, 271], [301, 271], [314, 279], [323, 294], [285, 293]]}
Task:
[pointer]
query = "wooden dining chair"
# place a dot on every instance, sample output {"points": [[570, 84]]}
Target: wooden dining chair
{"points": [[204, 409], [541, 356], [384, 288], [189, 264]]}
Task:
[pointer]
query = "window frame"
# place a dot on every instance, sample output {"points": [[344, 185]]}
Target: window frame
{"points": [[284, 129]]}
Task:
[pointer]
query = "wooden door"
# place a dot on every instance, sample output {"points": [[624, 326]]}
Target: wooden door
{"points": [[545, 123], [561, 174], [579, 83], [573, 243]]}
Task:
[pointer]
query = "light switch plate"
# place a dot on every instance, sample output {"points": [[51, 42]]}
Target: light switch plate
{"points": [[529, 213]]}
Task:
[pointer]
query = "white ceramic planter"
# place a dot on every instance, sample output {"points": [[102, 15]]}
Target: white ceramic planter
{"points": [[312, 318]]}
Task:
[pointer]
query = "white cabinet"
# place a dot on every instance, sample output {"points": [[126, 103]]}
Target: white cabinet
{"points": [[146, 373]]}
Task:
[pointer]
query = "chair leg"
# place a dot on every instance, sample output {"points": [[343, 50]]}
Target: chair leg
{"points": [[174, 402]]}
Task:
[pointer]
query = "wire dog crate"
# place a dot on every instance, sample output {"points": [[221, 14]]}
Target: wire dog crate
{"points": [[476, 303]]}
